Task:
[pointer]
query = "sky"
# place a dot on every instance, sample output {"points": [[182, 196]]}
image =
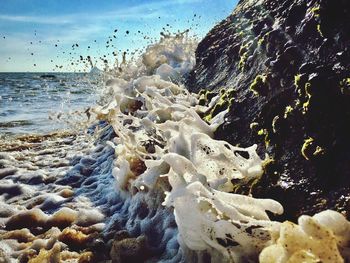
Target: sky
{"points": [[51, 35]]}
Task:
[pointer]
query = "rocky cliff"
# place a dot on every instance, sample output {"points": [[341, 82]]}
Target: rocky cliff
{"points": [[283, 70]]}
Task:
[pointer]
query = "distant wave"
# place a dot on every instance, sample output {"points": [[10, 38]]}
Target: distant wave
{"points": [[15, 123]]}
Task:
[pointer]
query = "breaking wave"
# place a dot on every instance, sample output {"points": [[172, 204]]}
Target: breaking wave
{"points": [[149, 183]]}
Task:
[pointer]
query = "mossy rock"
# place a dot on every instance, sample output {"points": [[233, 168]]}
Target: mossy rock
{"points": [[260, 85]]}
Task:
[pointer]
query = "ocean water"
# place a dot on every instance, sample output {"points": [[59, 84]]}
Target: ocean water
{"points": [[35, 103]]}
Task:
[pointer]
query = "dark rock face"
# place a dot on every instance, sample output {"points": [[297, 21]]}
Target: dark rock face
{"points": [[288, 62]]}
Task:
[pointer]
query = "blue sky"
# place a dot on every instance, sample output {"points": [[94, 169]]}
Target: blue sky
{"points": [[37, 35]]}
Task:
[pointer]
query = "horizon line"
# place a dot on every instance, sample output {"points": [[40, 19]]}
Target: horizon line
{"points": [[52, 72]]}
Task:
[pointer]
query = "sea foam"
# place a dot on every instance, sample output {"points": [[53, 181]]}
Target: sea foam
{"points": [[152, 184]]}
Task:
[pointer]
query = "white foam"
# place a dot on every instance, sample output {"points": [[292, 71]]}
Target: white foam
{"points": [[163, 152], [321, 238], [198, 169]]}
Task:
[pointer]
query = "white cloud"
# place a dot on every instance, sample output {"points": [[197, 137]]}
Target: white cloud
{"points": [[144, 11], [37, 19]]}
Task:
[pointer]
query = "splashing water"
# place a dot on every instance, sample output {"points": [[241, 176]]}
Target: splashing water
{"points": [[155, 185]]}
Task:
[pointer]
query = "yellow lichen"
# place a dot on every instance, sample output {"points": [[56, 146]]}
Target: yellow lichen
{"points": [[264, 132], [319, 151], [297, 80], [319, 30], [261, 132], [208, 118], [267, 162], [243, 52], [315, 10], [259, 85], [287, 111], [242, 61], [261, 41], [308, 94], [225, 101], [310, 149], [305, 149]]}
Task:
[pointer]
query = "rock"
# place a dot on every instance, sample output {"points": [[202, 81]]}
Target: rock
{"points": [[304, 49], [127, 249]]}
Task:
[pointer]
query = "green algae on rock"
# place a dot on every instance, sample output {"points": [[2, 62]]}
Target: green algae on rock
{"points": [[304, 47], [259, 85]]}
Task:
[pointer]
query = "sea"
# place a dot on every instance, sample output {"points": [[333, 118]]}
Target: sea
{"points": [[41, 103]]}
